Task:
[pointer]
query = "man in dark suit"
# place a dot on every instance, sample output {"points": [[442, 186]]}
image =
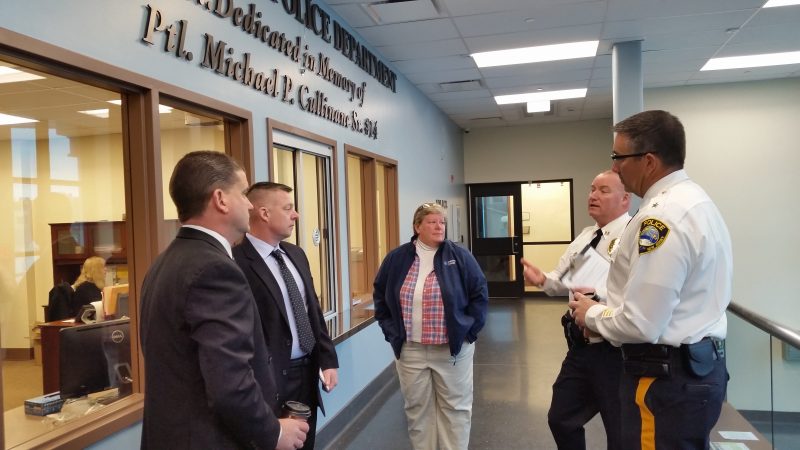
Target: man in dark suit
{"points": [[208, 381], [296, 333]]}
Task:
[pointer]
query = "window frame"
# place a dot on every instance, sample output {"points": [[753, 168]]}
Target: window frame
{"points": [[335, 271], [143, 198], [368, 174]]}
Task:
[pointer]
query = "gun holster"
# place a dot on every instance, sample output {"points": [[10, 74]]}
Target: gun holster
{"points": [[572, 332]]}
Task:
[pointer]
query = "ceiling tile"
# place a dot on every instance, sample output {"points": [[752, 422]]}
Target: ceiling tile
{"points": [[678, 37], [531, 18], [410, 66], [444, 76], [354, 15], [534, 38], [405, 11], [408, 32], [473, 7], [642, 9], [447, 47]]}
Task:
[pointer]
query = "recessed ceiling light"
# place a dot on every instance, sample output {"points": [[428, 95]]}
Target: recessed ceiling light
{"points": [[776, 3], [539, 96], [101, 113], [161, 108], [9, 75], [538, 106], [766, 59], [6, 119], [541, 53]]}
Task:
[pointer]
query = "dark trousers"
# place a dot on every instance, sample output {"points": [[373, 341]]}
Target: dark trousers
{"points": [[301, 385], [675, 412], [587, 384]]}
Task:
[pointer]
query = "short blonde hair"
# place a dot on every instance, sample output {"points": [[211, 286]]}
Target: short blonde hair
{"points": [[93, 270], [426, 209]]}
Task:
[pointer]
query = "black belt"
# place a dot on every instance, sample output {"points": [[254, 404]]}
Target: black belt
{"points": [[640, 351], [299, 362], [659, 360]]}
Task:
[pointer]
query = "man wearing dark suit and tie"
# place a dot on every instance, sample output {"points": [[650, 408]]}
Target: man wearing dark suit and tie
{"points": [[280, 277], [208, 381]]}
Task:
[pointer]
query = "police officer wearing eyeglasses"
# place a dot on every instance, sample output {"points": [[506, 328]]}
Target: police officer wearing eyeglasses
{"points": [[668, 288]]}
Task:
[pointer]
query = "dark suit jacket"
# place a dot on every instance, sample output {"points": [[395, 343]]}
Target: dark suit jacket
{"points": [[273, 312], [208, 380]]}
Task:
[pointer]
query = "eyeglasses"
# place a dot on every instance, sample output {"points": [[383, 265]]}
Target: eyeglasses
{"points": [[616, 157]]}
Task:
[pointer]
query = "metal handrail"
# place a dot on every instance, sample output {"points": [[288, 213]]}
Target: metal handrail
{"points": [[784, 333]]}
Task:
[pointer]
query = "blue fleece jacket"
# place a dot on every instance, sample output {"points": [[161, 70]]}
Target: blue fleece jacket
{"points": [[464, 294]]}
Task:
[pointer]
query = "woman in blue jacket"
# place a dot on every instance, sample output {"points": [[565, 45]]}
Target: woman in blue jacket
{"points": [[430, 301]]}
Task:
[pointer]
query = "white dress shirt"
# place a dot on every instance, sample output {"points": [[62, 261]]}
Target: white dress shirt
{"points": [[676, 291], [215, 235], [611, 232], [265, 250]]}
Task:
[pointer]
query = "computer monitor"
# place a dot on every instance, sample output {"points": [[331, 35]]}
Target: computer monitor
{"points": [[94, 357], [111, 298], [122, 305]]}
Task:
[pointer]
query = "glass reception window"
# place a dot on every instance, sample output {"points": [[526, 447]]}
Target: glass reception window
{"points": [[360, 285], [372, 219], [63, 183], [183, 132]]}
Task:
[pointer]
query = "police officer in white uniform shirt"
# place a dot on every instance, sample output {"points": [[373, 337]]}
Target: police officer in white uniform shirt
{"points": [[668, 288], [588, 382]]}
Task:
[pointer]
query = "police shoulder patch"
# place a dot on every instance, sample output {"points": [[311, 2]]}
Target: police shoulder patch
{"points": [[652, 234]]}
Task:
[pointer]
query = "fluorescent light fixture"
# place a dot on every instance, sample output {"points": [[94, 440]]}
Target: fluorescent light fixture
{"points": [[161, 108], [538, 106], [9, 75], [739, 62], [541, 53], [539, 96], [6, 119], [776, 3], [101, 113]]}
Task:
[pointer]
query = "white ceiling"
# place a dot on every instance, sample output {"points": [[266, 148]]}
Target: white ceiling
{"points": [[429, 41]]}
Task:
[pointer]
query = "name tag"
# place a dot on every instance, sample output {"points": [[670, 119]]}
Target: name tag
{"points": [[452, 262]]}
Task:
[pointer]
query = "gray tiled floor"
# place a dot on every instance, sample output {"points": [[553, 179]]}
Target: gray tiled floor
{"points": [[517, 358]]}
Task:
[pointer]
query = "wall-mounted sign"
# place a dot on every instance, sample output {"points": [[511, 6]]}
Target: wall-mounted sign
{"points": [[241, 67]]}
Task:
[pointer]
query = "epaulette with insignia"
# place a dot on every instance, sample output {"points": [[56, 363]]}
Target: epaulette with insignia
{"points": [[612, 245], [652, 234]]}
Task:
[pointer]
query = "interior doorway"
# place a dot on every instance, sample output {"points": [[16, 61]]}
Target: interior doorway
{"points": [[509, 221]]}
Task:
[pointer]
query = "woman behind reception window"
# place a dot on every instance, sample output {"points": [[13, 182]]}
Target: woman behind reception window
{"points": [[89, 285], [430, 301]]}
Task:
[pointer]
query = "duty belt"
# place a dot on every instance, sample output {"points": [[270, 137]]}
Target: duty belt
{"points": [[658, 360]]}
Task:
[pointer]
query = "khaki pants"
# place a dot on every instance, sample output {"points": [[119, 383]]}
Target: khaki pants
{"points": [[438, 395]]}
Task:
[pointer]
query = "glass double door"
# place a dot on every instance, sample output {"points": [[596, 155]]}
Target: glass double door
{"points": [[496, 236]]}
